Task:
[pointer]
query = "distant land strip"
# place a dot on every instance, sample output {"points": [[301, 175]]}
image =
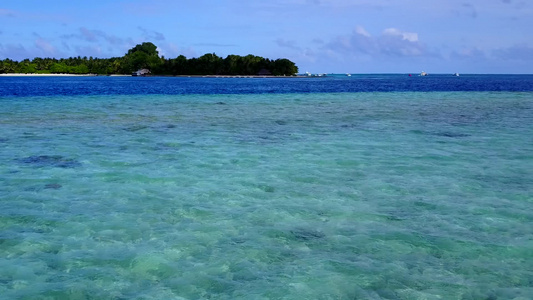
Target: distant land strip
{"points": [[119, 75], [144, 60]]}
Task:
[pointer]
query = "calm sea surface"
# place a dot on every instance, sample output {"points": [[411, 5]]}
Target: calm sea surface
{"points": [[362, 187]]}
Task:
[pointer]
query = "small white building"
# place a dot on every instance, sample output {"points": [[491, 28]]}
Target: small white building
{"points": [[141, 72]]}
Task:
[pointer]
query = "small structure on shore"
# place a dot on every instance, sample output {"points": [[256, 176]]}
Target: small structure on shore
{"points": [[141, 72]]}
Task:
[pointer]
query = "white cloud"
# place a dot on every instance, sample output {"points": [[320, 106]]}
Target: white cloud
{"points": [[392, 42], [13, 51], [89, 35], [89, 50], [360, 30], [41, 48], [470, 53], [520, 52], [94, 36], [151, 35], [408, 36], [171, 50], [517, 52], [287, 44], [45, 47]]}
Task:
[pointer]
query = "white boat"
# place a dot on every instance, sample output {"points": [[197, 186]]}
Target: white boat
{"points": [[423, 74], [455, 74], [141, 72], [314, 75]]}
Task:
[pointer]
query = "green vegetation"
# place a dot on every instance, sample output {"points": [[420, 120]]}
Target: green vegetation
{"points": [[145, 56]]}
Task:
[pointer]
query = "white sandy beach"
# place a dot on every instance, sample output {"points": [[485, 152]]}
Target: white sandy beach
{"points": [[54, 75], [43, 75]]}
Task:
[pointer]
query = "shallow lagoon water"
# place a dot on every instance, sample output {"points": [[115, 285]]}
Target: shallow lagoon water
{"points": [[369, 195]]}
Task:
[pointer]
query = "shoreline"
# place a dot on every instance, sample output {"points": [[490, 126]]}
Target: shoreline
{"points": [[228, 76], [122, 75], [46, 75]]}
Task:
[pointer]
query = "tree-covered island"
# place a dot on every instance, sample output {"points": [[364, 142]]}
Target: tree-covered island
{"points": [[146, 56]]}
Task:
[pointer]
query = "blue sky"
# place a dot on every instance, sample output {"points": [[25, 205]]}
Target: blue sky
{"points": [[339, 36]]}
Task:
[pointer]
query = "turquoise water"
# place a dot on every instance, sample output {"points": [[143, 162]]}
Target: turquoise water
{"points": [[398, 195]]}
